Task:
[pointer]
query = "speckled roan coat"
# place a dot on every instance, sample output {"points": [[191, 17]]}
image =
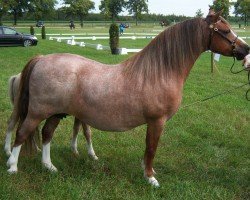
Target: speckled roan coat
{"points": [[145, 89], [14, 83]]}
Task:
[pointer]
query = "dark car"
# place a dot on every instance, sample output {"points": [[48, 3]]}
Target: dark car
{"points": [[39, 24], [10, 37]]}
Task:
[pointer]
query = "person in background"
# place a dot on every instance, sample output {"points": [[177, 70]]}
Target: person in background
{"points": [[121, 28], [71, 25]]}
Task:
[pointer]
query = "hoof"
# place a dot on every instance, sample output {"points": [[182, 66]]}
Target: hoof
{"points": [[12, 170], [93, 157], [152, 181], [76, 153], [50, 167]]}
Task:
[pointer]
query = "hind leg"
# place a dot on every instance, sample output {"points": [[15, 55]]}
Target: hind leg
{"points": [[11, 125], [76, 129], [87, 134], [27, 128], [47, 133]]}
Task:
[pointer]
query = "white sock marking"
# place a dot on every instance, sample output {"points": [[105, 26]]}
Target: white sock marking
{"points": [[46, 160], [91, 151], [74, 145], [13, 159], [7, 146]]}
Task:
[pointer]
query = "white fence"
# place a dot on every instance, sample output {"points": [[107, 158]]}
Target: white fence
{"points": [[99, 37], [72, 41]]}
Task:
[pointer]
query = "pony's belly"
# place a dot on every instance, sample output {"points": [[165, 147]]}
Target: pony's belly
{"points": [[112, 124]]}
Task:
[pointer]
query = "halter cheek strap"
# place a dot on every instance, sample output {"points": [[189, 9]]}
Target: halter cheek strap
{"points": [[214, 29]]}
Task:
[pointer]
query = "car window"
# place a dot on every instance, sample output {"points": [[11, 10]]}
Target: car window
{"points": [[9, 31], [1, 31]]}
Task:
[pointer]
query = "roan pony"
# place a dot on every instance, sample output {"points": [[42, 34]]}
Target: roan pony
{"points": [[14, 83], [144, 89]]}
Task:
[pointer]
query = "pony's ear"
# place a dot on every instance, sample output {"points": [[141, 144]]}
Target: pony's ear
{"points": [[217, 15], [211, 12], [213, 17]]}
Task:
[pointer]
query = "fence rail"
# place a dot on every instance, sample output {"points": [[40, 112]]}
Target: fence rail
{"points": [[123, 51]]}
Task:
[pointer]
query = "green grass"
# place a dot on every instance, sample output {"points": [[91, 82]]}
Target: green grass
{"points": [[203, 153]]}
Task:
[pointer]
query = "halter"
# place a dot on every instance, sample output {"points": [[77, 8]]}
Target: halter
{"points": [[214, 29]]}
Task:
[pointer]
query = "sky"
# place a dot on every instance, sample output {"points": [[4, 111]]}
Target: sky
{"points": [[167, 7]]}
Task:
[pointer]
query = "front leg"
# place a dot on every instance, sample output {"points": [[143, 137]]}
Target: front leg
{"points": [[154, 131]]}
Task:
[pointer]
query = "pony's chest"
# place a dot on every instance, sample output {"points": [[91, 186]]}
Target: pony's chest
{"points": [[162, 104]]}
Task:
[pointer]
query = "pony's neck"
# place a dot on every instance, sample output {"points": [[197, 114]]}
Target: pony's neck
{"points": [[171, 53]]}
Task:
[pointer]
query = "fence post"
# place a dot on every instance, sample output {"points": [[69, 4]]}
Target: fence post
{"points": [[212, 62]]}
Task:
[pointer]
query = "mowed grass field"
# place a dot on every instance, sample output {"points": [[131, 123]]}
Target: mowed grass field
{"points": [[203, 153]]}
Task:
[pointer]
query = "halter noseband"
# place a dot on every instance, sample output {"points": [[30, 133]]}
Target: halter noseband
{"points": [[214, 29]]}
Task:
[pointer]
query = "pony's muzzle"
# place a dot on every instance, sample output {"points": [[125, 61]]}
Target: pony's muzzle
{"points": [[240, 52]]}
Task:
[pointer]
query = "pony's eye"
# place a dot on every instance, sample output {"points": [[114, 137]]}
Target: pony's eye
{"points": [[226, 31]]}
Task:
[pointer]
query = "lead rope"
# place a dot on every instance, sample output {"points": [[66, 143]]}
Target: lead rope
{"points": [[227, 91], [247, 97], [237, 72], [220, 94]]}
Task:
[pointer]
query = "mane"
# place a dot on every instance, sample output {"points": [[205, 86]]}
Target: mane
{"points": [[169, 52]]}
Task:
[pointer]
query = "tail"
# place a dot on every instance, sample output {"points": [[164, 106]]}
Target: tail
{"points": [[23, 101], [12, 94]]}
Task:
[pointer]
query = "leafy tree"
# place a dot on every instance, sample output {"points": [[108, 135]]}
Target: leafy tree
{"points": [[3, 9], [42, 8], [242, 8], [199, 13], [111, 8], [219, 5], [79, 8], [18, 7], [136, 7]]}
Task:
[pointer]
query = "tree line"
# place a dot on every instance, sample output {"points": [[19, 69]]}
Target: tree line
{"points": [[109, 10]]}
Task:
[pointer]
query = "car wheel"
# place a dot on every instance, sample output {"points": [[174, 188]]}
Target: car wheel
{"points": [[27, 43]]}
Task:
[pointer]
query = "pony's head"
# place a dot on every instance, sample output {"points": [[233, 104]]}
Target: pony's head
{"points": [[222, 39]]}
